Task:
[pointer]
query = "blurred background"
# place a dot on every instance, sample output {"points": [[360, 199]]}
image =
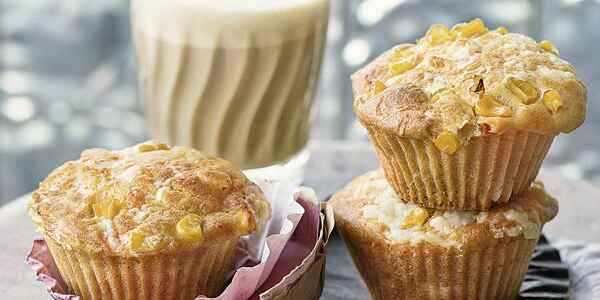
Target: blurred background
{"points": [[67, 74]]}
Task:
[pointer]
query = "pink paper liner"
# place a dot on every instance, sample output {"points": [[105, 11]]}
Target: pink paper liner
{"points": [[287, 252]]}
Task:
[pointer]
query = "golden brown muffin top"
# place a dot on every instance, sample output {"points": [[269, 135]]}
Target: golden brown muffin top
{"points": [[469, 81], [146, 199], [371, 203]]}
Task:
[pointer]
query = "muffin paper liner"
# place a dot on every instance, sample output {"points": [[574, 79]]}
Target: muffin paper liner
{"points": [[175, 276], [284, 261], [480, 174], [427, 271]]}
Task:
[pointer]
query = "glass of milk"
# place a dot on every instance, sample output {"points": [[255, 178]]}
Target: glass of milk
{"points": [[234, 78]]}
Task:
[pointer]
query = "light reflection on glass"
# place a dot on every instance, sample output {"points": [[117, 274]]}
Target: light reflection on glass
{"points": [[334, 31]]}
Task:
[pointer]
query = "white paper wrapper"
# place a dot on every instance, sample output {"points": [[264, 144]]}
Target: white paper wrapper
{"points": [[282, 197]]}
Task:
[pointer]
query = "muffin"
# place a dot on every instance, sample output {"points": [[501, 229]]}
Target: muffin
{"points": [[403, 251], [462, 119], [146, 222]]}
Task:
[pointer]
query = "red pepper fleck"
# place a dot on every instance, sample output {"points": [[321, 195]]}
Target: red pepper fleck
{"points": [[486, 128]]}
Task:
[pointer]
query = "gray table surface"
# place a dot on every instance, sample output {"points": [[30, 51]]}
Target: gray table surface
{"points": [[332, 164]]}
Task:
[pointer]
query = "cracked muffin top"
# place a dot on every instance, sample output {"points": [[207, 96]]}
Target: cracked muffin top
{"points": [[146, 199], [469, 81]]}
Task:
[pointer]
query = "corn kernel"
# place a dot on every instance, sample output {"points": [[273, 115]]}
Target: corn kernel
{"points": [[438, 34], [190, 228], [399, 67], [524, 90], [402, 52], [415, 217], [376, 88], [152, 146], [242, 218], [447, 142], [473, 28], [457, 234], [488, 106], [548, 46], [552, 100], [495, 125], [146, 147], [141, 242], [502, 30], [162, 146], [107, 208], [137, 240]]}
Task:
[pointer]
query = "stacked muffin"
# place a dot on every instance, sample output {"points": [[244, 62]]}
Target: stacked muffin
{"points": [[461, 122]]}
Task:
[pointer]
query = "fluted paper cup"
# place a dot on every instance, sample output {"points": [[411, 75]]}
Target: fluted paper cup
{"points": [[480, 174], [170, 277], [427, 271]]}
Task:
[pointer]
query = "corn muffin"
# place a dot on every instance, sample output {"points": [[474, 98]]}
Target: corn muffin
{"points": [[403, 251], [146, 222], [462, 119]]}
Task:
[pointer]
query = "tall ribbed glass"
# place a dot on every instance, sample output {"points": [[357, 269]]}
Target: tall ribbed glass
{"points": [[233, 78]]}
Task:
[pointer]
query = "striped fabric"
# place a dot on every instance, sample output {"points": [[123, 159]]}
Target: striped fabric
{"points": [[583, 261], [548, 276]]}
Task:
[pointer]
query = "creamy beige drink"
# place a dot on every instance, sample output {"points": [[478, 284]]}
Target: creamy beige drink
{"points": [[234, 78]]}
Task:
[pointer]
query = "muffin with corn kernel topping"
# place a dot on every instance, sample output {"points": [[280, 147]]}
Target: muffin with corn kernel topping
{"points": [[404, 251], [463, 118], [146, 222]]}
